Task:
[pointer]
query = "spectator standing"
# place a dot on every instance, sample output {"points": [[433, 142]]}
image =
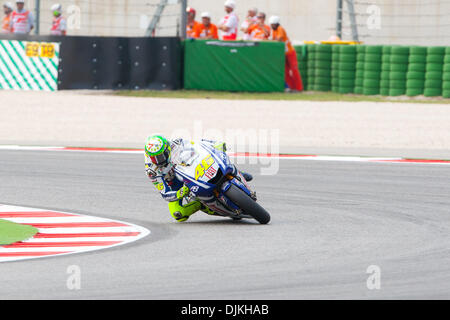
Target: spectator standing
{"points": [[22, 21], [191, 23], [206, 29], [59, 25], [251, 19], [259, 30], [229, 24], [292, 74], [6, 21]]}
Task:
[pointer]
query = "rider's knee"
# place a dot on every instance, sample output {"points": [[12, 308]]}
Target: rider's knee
{"points": [[182, 213]]}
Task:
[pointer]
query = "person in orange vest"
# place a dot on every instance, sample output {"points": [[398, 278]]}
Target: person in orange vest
{"points": [[191, 23], [6, 22], [259, 31], [251, 19], [206, 29], [22, 21], [292, 74], [59, 24], [229, 24]]}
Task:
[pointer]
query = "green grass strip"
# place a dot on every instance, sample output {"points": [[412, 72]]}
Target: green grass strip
{"points": [[11, 232], [277, 96]]}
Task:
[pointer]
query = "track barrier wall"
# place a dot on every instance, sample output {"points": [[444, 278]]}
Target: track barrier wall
{"points": [[57, 63], [234, 66], [91, 63], [376, 70]]}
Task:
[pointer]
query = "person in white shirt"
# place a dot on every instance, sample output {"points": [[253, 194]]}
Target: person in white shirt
{"points": [[251, 19], [22, 21], [230, 23], [59, 24]]}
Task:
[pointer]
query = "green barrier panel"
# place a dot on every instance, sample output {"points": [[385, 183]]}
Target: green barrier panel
{"points": [[385, 70], [234, 66]]}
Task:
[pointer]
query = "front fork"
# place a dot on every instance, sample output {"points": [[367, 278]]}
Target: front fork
{"points": [[241, 179], [239, 182]]}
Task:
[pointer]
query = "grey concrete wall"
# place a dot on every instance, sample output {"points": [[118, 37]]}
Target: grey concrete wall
{"points": [[422, 22], [425, 22]]}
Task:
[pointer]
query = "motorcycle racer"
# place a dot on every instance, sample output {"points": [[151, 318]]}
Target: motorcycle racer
{"points": [[160, 170]]}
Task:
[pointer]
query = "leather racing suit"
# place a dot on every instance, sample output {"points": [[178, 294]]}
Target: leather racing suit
{"points": [[166, 182]]}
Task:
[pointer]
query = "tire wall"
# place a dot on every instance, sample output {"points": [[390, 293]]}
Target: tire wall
{"points": [[376, 69]]}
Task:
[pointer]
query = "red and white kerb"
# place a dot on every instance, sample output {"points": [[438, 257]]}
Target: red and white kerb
{"points": [[61, 233]]}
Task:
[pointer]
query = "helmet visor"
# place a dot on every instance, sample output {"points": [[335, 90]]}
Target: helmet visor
{"points": [[161, 159]]}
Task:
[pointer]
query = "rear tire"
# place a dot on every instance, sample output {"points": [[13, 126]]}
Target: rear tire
{"points": [[247, 204]]}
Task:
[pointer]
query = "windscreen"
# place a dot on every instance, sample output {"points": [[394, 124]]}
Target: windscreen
{"points": [[184, 154]]}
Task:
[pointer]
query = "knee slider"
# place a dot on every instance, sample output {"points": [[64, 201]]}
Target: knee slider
{"points": [[179, 216]]}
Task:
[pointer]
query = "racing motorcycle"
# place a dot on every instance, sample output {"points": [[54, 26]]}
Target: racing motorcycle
{"points": [[208, 173]]}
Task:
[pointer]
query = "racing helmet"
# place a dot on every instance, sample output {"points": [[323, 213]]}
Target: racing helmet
{"points": [[157, 148]]}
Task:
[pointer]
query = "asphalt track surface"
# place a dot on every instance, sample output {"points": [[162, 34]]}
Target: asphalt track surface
{"points": [[330, 222]]}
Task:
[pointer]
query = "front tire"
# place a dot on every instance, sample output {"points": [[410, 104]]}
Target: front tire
{"points": [[247, 204]]}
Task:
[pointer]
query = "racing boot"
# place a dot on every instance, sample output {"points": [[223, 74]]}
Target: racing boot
{"points": [[181, 212], [207, 210]]}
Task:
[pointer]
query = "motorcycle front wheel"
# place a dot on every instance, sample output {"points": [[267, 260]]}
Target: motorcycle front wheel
{"points": [[247, 204]]}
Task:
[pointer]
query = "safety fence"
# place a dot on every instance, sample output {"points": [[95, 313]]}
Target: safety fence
{"points": [[376, 70]]}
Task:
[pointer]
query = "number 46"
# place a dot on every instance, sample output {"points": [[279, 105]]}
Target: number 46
{"points": [[205, 165]]}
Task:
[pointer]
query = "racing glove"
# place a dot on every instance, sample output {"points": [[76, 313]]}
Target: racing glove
{"points": [[222, 146], [183, 192]]}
